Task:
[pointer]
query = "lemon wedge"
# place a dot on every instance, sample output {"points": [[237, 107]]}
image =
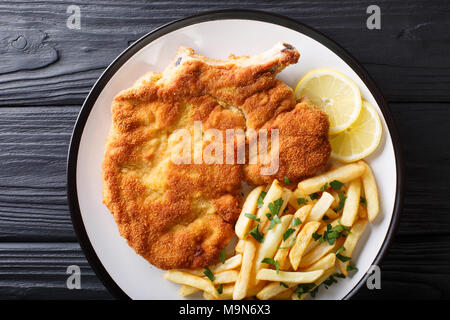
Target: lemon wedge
{"points": [[360, 139], [333, 93]]}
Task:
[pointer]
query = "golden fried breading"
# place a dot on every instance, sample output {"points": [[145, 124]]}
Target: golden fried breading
{"points": [[182, 215], [303, 145]]}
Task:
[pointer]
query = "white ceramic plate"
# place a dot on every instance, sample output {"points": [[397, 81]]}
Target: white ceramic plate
{"points": [[214, 35]]}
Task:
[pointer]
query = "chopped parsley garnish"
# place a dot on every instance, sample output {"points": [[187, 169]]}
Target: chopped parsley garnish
{"points": [[287, 181], [284, 284], [272, 262], [269, 216], [290, 245], [313, 289], [296, 221], [336, 185], [314, 196], [301, 201], [316, 236], [288, 233], [324, 187], [275, 206], [351, 267], [252, 216], [223, 255], [342, 198], [255, 234], [340, 250], [363, 201], [314, 292], [304, 288], [261, 197], [209, 274], [332, 233], [274, 221], [331, 279], [343, 258], [220, 289]]}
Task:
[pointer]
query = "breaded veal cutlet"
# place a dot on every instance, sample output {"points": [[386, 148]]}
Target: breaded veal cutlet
{"points": [[182, 216]]}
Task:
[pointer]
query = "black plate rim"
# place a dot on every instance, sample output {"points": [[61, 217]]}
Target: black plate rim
{"points": [[263, 16]]}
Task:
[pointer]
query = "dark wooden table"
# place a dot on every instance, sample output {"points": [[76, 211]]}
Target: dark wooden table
{"points": [[47, 69]]}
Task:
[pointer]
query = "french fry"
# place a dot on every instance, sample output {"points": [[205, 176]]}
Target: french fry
{"points": [[272, 240], [350, 243], [273, 289], [302, 241], [285, 276], [191, 280], [335, 203], [299, 259], [321, 206], [318, 282], [322, 229], [371, 192], [318, 252], [350, 212], [325, 263], [285, 197], [297, 194], [335, 194], [187, 290], [226, 277], [254, 289], [229, 264], [243, 224], [239, 246], [275, 192], [285, 295], [362, 212], [227, 293], [283, 250], [287, 194], [343, 174], [331, 214], [241, 285], [196, 272]]}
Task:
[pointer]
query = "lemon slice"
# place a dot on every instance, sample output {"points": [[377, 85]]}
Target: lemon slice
{"points": [[333, 93], [360, 139]]}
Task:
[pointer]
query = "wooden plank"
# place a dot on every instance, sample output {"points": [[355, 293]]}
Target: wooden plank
{"points": [[33, 203], [38, 271], [45, 63], [34, 143], [412, 269], [425, 141]]}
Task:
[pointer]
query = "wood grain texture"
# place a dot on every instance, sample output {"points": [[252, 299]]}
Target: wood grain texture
{"points": [[414, 269], [33, 153], [39, 271], [46, 63]]}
